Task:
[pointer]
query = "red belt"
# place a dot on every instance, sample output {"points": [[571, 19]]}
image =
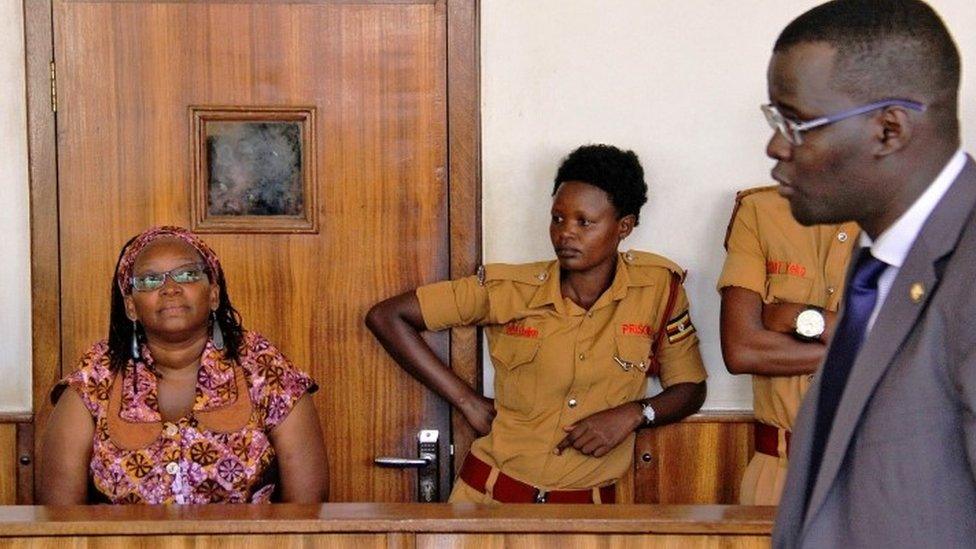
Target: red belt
{"points": [[767, 440], [475, 473]]}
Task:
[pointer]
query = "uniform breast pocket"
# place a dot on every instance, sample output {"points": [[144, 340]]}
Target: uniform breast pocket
{"points": [[626, 371], [788, 288], [515, 372]]}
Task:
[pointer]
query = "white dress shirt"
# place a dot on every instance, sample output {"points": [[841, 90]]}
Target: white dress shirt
{"points": [[893, 244]]}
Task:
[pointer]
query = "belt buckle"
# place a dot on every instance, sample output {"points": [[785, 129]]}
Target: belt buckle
{"points": [[540, 496]]}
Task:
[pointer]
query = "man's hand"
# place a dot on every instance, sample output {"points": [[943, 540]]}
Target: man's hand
{"points": [[596, 435], [480, 412]]}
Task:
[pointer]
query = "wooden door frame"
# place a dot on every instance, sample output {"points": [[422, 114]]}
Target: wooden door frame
{"points": [[464, 194]]}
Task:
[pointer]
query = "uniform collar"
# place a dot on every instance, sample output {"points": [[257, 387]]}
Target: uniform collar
{"points": [[551, 292]]}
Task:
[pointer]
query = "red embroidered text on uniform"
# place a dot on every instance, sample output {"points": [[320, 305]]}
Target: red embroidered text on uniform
{"points": [[785, 267], [636, 329], [520, 330]]}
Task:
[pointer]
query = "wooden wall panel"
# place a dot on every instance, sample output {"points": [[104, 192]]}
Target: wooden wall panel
{"points": [[16, 459], [8, 463], [284, 541], [584, 541], [698, 461], [376, 75]]}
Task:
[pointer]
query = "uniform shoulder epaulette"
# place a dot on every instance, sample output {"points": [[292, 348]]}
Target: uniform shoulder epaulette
{"points": [[526, 273], [647, 259], [739, 196]]}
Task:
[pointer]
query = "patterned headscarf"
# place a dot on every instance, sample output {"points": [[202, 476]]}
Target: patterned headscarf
{"points": [[132, 251]]}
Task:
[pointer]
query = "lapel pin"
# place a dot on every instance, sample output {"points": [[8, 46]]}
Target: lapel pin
{"points": [[916, 292]]}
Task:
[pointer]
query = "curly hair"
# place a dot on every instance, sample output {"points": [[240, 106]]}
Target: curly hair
{"points": [[618, 173], [120, 328]]}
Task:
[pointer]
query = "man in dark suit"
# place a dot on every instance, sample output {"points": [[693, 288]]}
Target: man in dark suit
{"points": [[864, 100]]}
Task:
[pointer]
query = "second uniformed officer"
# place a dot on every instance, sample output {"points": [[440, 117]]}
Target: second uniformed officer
{"points": [[572, 341], [781, 286]]}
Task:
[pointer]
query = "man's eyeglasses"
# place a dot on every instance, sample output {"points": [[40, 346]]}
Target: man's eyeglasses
{"points": [[793, 130], [187, 274]]}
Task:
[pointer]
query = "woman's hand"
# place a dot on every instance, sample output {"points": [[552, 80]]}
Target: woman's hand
{"points": [[480, 412], [601, 432]]}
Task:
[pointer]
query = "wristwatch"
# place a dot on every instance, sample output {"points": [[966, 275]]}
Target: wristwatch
{"points": [[648, 412], [809, 324]]}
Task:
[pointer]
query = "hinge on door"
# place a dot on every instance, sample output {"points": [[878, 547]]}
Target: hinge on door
{"points": [[54, 88]]}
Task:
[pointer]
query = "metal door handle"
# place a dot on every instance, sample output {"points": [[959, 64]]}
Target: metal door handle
{"points": [[403, 463], [426, 464]]}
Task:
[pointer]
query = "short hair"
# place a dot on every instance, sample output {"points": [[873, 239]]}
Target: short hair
{"points": [[885, 49], [616, 172]]}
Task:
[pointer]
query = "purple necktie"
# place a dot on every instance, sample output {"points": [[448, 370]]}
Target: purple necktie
{"points": [[861, 296]]}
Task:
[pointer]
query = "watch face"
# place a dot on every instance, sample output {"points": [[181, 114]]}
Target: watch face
{"points": [[810, 323], [648, 414]]}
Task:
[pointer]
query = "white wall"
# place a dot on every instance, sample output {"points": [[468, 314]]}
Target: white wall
{"points": [[677, 81], [15, 291]]}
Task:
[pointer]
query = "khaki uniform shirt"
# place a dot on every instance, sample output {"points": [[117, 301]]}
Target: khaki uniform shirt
{"points": [[556, 363], [770, 253]]}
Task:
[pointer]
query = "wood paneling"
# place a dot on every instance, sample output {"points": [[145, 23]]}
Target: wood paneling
{"points": [[300, 541], [16, 459], [500, 541], [350, 518], [42, 166], [698, 461], [464, 171], [377, 75], [8, 464]]}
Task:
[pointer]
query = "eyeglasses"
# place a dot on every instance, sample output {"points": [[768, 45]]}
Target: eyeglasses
{"points": [[793, 130], [187, 274]]}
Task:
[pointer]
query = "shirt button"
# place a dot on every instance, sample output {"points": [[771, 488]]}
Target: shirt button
{"points": [[572, 403], [172, 467], [842, 236], [170, 429], [589, 314], [582, 356], [831, 290]]}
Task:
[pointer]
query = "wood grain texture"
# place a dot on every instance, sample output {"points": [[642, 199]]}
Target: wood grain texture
{"points": [[8, 464], [144, 520], [42, 166], [376, 74], [25, 457], [693, 462], [582, 541], [464, 174], [285, 541]]}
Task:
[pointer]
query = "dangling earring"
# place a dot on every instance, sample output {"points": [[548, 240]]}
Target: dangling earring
{"points": [[135, 341], [218, 334]]}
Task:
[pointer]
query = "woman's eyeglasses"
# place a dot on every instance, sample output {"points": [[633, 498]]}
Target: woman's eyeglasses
{"points": [[187, 274]]}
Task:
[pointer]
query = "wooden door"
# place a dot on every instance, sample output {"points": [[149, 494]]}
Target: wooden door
{"points": [[371, 80]]}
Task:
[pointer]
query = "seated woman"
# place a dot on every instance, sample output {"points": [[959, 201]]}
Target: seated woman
{"points": [[181, 404], [572, 341]]}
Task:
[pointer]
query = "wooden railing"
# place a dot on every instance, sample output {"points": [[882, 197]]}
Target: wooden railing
{"points": [[364, 525]]}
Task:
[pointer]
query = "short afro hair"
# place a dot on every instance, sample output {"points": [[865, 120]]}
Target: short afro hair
{"points": [[885, 49], [618, 173]]}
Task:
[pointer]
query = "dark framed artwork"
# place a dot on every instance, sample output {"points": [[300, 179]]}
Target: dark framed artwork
{"points": [[254, 169]]}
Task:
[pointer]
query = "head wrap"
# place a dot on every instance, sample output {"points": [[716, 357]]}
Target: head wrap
{"points": [[124, 275]]}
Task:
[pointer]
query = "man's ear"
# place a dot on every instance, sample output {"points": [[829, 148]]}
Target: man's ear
{"points": [[130, 307], [625, 225], [895, 130]]}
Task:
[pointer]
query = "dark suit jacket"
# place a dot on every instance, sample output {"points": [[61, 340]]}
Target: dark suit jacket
{"points": [[899, 468]]}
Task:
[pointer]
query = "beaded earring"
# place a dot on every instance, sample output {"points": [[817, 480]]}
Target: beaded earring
{"points": [[218, 334]]}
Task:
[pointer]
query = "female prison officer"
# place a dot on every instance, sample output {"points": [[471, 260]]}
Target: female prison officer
{"points": [[572, 341]]}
